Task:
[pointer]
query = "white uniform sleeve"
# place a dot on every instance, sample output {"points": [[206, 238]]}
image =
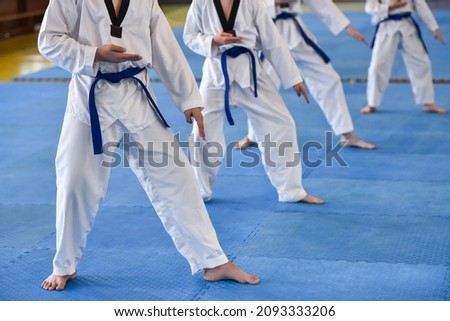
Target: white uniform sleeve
{"points": [[270, 7], [56, 42], [275, 48], [424, 12], [330, 14], [171, 64]]}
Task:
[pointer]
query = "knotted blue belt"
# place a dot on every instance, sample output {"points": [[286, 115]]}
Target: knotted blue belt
{"points": [[398, 17], [235, 52], [288, 15], [114, 78]]}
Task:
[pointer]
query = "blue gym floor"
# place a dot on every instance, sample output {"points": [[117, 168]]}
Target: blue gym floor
{"points": [[383, 234]]}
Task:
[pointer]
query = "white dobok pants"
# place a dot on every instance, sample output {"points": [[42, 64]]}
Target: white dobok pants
{"points": [[82, 180], [275, 132]]}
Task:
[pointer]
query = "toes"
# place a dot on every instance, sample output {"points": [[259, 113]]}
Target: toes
{"points": [[367, 110], [358, 143], [437, 111], [312, 200], [48, 285], [57, 283], [229, 271], [253, 280], [60, 286]]}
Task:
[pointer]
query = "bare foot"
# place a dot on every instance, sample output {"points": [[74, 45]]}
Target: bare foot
{"points": [[351, 140], [368, 110], [312, 200], [433, 108], [245, 143], [57, 282], [229, 271]]}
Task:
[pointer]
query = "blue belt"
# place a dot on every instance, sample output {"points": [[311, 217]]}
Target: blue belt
{"points": [[398, 17], [234, 52], [114, 78], [288, 15]]}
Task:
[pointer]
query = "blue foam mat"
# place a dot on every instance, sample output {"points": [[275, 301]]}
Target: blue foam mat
{"points": [[102, 277], [376, 197], [405, 167], [154, 270], [320, 280], [382, 234], [353, 238]]}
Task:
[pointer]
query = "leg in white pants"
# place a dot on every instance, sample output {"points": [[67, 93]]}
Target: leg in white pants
{"points": [[81, 185], [271, 123], [325, 86], [169, 181], [207, 155], [380, 68], [82, 182], [418, 66]]}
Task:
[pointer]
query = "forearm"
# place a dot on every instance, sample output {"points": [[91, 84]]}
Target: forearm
{"points": [[329, 14]]}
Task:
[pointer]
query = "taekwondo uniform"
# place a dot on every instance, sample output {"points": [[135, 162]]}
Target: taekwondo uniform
{"points": [[267, 112], [70, 33], [396, 29], [323, 82]]}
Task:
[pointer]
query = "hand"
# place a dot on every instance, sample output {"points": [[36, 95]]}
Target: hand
{"points": [[114, 53], [224, 38], [300, 89], [198, 116], [356, 34], [437, 34]]}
